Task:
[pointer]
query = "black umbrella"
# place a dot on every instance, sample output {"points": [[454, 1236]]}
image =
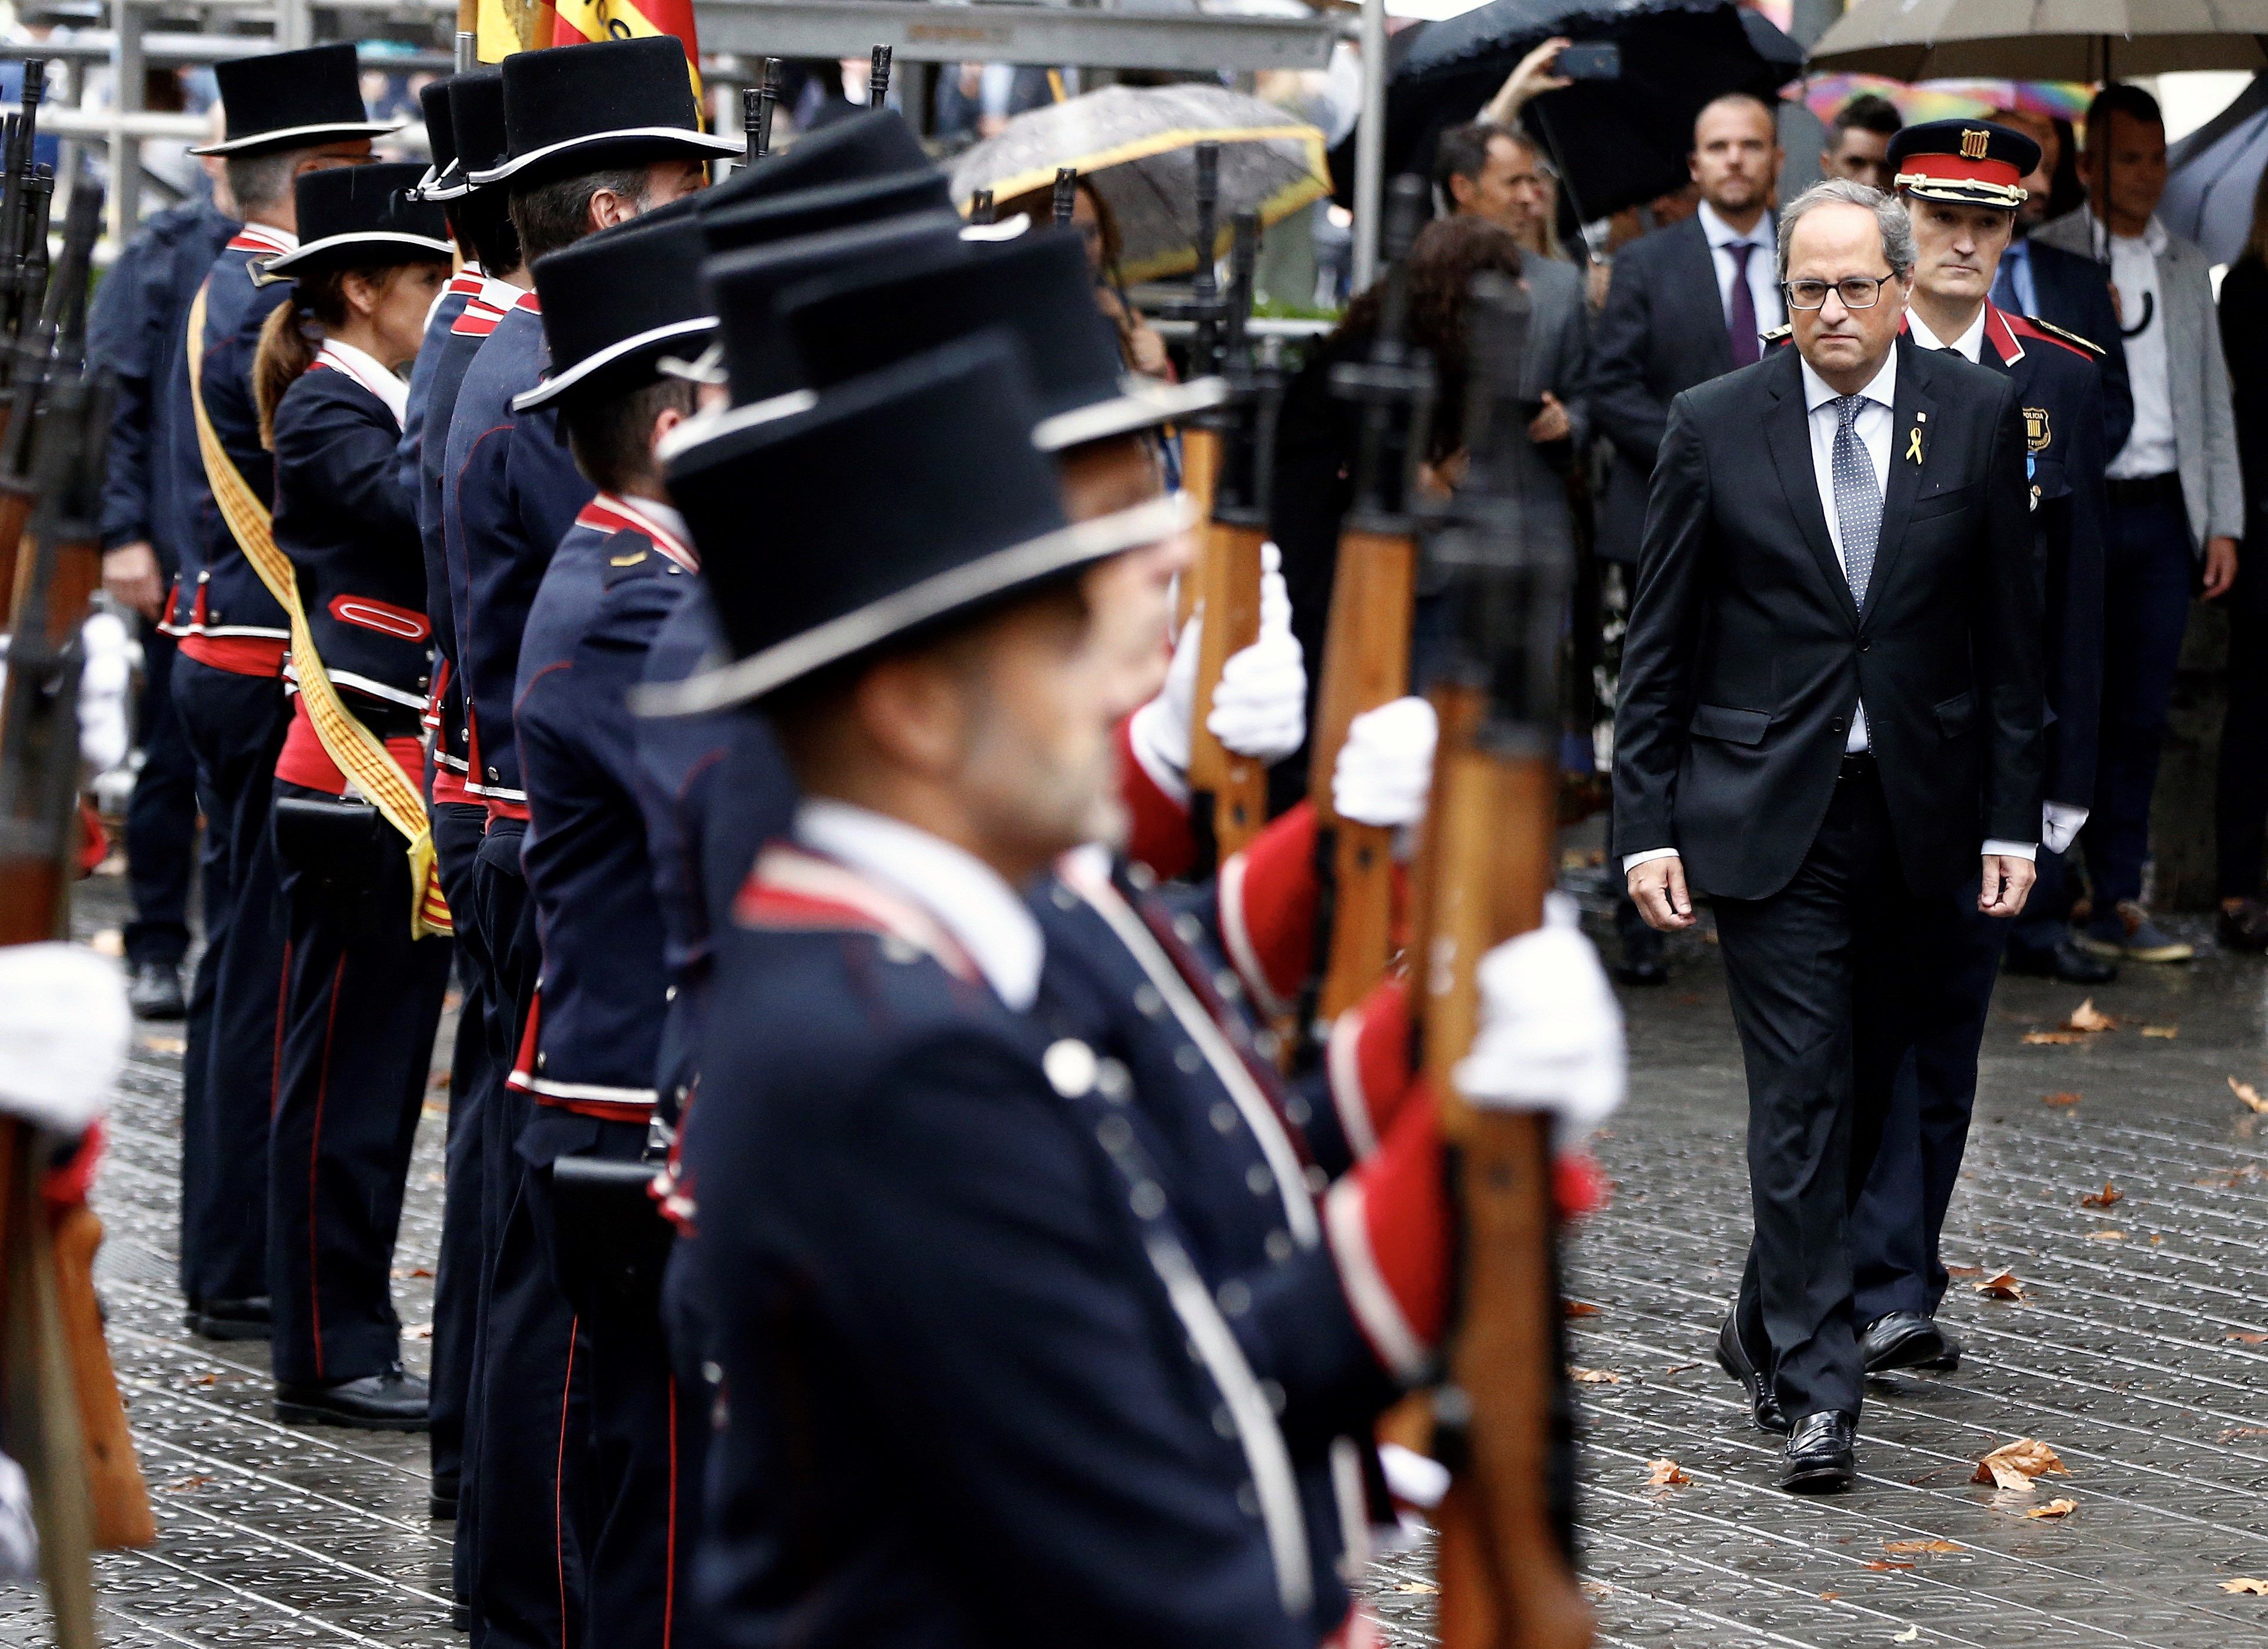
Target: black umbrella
{"points": [[1615, 143]]}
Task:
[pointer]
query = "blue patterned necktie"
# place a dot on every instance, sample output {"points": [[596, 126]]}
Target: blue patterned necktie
{"points": [[1857, 498]]}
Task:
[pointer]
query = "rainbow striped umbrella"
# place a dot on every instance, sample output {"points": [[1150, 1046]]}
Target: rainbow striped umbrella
{"points": [[1950, 100]]}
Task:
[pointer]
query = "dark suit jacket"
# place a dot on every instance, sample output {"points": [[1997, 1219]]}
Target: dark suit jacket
{"points": [[1662, 331], [1745, 657], [2075, 293]]}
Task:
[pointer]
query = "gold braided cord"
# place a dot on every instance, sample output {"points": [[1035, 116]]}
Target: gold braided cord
{"points": [[353, 746]]}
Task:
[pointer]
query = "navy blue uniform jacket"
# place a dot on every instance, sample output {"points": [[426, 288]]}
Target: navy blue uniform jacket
{"points": [[217, 592], [510, 491], [137, 327], [960, 1330]]}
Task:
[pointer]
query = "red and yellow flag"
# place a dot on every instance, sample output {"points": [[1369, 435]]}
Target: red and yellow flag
{"points": [[577, 21]]}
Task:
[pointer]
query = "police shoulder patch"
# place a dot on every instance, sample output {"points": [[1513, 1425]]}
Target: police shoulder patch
{"points": [[1780, 334]]}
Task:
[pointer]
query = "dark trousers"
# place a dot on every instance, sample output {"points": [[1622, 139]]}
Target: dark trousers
{"points": [[649, 1438], [2149, 571], [1895, 1225], [528, 1539], [363, 1004], [161, 816], [235, 724], [1822, 977], [457, 829], [2241, 794]]}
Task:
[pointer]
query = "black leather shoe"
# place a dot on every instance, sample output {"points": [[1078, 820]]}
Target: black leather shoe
{"points": [[390, 1402], [2063, 960], [1908, 1340], [154, 991], [441, 1500], [1733, 1359], [461, 1617], [1820, 1458], [232, 1318]]}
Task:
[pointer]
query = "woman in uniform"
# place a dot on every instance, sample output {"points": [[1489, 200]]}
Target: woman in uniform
{"points": [[362, 995]]}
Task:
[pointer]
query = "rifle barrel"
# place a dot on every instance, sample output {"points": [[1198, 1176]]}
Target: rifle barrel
{"points": [[877, 77]]}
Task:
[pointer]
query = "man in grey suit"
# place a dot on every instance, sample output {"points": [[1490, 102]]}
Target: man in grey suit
{"points": [[1686, 305], [2176, 495]]}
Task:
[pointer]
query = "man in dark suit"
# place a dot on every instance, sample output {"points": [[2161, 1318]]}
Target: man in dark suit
{"points": [[1687, 305], [1831, 708], [1958, 178]]}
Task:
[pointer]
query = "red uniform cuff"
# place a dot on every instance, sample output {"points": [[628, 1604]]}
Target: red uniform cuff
{"points": [[1268, 895], [1393, 1235], [1158, 825], [1368, 1061]]}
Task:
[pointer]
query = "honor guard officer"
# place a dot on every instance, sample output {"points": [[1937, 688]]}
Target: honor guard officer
{"points": [[940, 1246], [287, 113], [135, 327], [1960, 182], [493, 279], [366, 972], [614, 305], [595, 135]]}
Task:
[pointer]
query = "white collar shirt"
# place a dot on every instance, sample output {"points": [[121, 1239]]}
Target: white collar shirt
{"points": [[1764, 265], [1872, 426], [968, 898], [1969, 345], [2152, 448], [365, 369]]}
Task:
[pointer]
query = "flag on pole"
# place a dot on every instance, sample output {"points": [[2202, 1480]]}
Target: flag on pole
{"points": [[578, 21], [505, 26]]}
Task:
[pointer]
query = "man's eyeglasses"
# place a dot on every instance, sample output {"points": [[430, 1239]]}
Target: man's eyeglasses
{"points": [[1856, 291]]}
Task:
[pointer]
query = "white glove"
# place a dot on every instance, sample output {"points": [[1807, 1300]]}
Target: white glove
{"points": [[63, 1028], [104, 678], [1551, 1034], [1260, 707], [2059, 824], [1385, 767], [1160, 731], [20, 1536]]}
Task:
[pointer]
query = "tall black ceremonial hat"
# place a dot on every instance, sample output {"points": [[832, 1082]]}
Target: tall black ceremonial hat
{"points": [[871, 144], [1964, 163], [1040, 286], [840, 558], [476, 130], [297, 99], [615, 102], [745, 289], [616, 302], [362, 216], [760, 220], [440, 132]]}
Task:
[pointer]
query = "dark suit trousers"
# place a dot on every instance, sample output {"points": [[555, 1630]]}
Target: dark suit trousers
{"points": [[2240, 799], [1822, 976], [235, 724], [2149, 571], [363, 1002], [161, 815], [1895, 1227]]}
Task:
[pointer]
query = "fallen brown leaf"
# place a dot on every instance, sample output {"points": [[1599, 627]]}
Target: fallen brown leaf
{"points": [[164, 1044], [2088, 1017], [1679, 1368], [2106, 1236], [182, 1485], [2258, 1588], [1595, 1377], [2167, 1032], [1879, 1565], [2104, 1199], [1578, 1308], [2248, 1339], [2059, 1099], [2053, 1039], [1903, 1548], [1426, 1587], [2249, 1095], [1964, 1270], [2235, 1431], [1829, 1597], [2054, 1508], [2001, 1286], [1666, 1473], [2013, 1465]]}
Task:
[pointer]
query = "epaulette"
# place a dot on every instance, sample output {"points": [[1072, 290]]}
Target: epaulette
{"points": [[1779, 334], [2085, 347]]}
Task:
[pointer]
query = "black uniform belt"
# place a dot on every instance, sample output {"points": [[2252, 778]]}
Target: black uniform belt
{"points": [[2145, 490], [1856, 764]]}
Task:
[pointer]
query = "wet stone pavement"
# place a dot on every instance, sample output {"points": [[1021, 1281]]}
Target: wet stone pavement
{"points": [[2138, 1352]]}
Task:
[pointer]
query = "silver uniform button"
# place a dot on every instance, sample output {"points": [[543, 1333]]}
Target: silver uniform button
{"points": [[1113, 1081], [1224, 1422], [1065, 899], [1236, 1298], [1188, 929], [1147, 1001], [1187, 1058], [1278, 1246], [1228, 984], [1258, 1180], [1141, 876], [1148, 1201], [1115, 1133], [1224, 1117], [1298, 1111], [1318, 1182], [896, 949], [1069, 1065]]}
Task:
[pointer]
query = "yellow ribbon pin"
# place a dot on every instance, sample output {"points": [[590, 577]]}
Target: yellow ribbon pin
{"points": [[1913, 445]]}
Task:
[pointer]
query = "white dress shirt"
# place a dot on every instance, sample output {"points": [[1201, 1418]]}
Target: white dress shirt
{"points": [[2151, 448], [1764, 266], [366, 370], [1872, 426], [970, 900], [1970, 344]]}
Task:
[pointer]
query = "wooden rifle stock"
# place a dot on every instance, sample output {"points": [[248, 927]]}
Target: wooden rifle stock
{"points": [[1503, 1421], [1366, 637]]}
